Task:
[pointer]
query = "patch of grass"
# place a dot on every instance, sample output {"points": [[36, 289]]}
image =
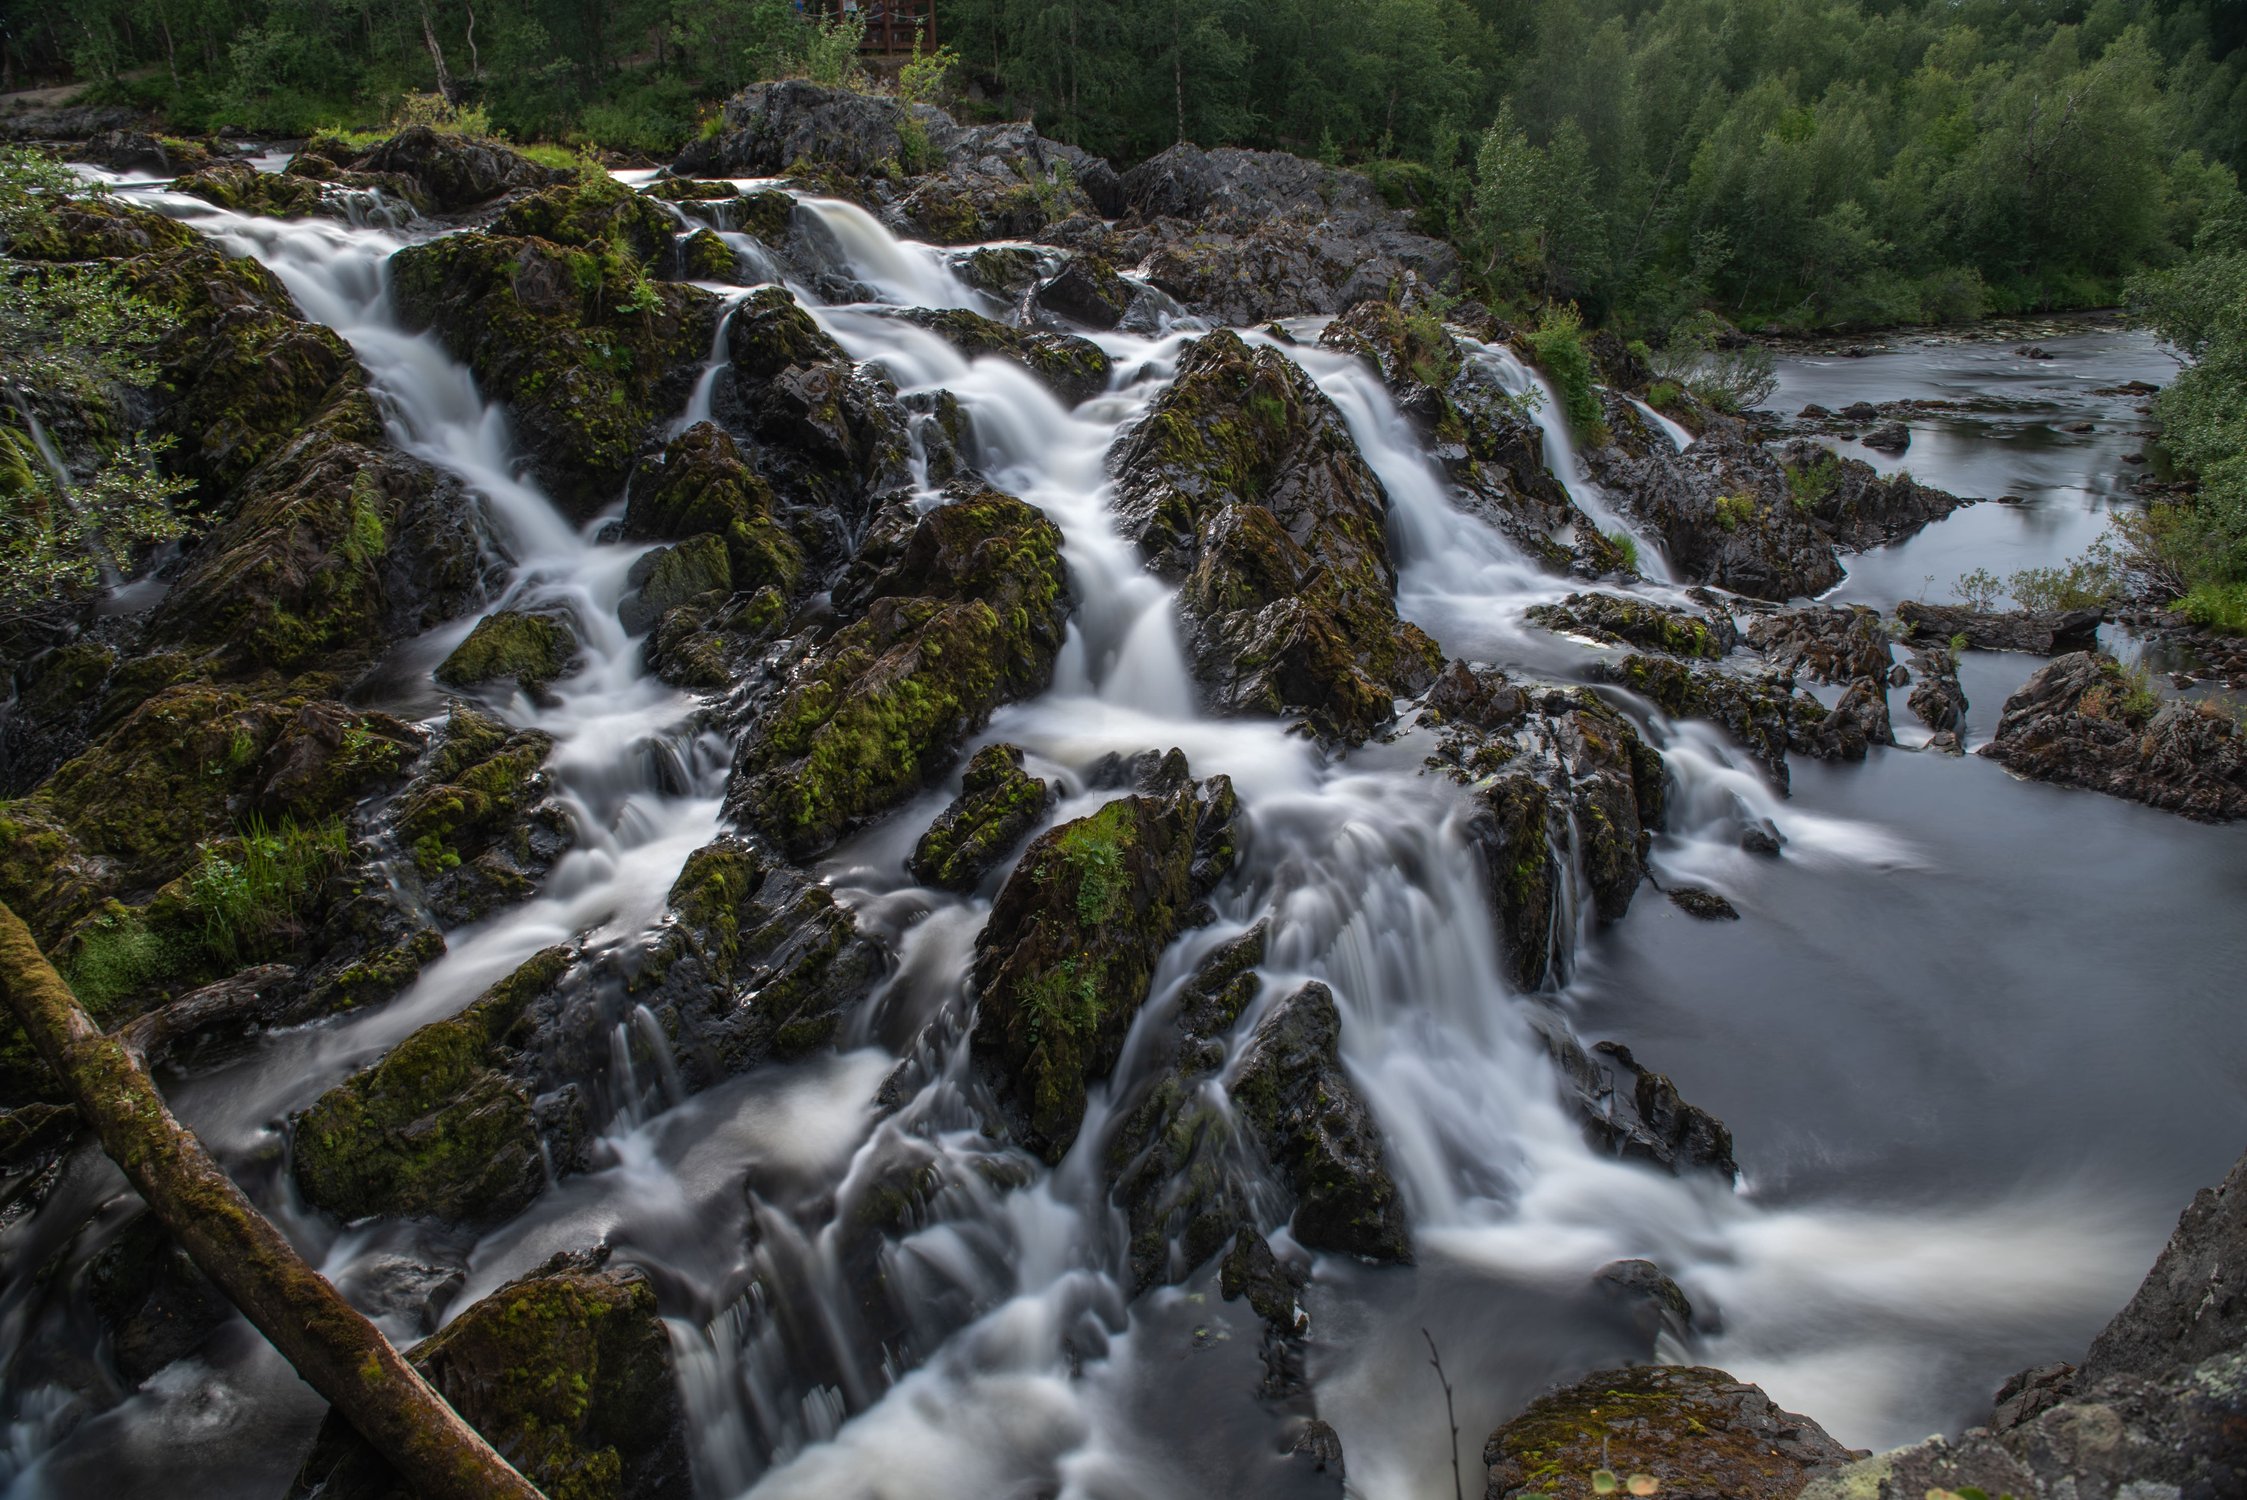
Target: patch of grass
{"points": [[2222, 607], [1627, 545], [1735, 511], [250, 895]]}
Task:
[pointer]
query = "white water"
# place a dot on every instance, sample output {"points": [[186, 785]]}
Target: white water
{"points": [[1036, 1373]]}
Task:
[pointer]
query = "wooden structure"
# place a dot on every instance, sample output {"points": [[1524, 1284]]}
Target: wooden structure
{"points": [[891, 25]]}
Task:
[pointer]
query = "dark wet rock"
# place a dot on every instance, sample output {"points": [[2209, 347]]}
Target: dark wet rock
{"points": [[450, 172], [1826, 643], [695, 572], [1488, 443], [1552, 770], [1762, 837], [999, 803], [1888, 437], [1175, 1162], [1731, 512], [1765, 711], [1064, 962], [1086, 290], [1296, 1099], [1004, 271], [478, 821], [2082, 720], [968, 614], [1633, 1112], [156, 1305], [1076, 369], [244, 189], [1251, 1270], [1246, 236], [530, 648], [1701, 1434], [1937, 697], [1656, 1304], [1698, 901], [124, 150], [761, 961], [2157, 1407], [437, 1128], [2041, 633], [588, 354], [701, 484], [593, 212], [1621, 619], [1243, 482], [567, 1372]]}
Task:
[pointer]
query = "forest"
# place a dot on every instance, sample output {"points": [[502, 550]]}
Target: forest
{"points": [[1791, 163]]}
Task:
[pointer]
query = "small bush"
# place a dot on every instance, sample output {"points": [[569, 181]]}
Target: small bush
{"points": [[439, 113], [1559, 344], [1979, 590], [1813, 482], [2222, 607], [831, 51], [2085, 583], [1735, 511], [1663, 395], [927, 79]]}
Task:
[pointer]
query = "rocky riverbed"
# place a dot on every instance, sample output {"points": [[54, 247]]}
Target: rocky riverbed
{"points": [[914, 805]]}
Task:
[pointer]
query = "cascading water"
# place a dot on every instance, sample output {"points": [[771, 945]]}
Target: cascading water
{"points": [[1010, 1357]]}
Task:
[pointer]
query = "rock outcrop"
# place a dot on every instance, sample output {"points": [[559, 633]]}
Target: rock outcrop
{"points": [[2039, 632], [2083, 720], [1242, 482]]}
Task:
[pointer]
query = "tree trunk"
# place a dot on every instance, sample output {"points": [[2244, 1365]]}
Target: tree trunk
{"points": [[436, 55], [331, 1344], [476, 63]]}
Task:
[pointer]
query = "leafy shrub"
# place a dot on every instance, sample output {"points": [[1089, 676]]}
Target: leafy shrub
{"points": [[2222, 607], [1734, 511], [831, 51], [927, 79], [439, 113], [1979, 590], [1559, 344]]}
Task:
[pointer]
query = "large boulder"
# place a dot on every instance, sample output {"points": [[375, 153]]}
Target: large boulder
{"points": [[1064, 962], [450, 172], [588, 353], [1075, 369], [567, 1372], [2083, 720], [478, 821], [1698, 1432], [967, 614], [2039, 632], [1560, 781], [1242, 482]]}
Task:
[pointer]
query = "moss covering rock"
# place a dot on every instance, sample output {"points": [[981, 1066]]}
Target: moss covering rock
{"points": [[588, 353], [968, 615], [999, 803], [244, 189], [1698, 1432], [567, 1372], [1242, 481], [1064, 963], [701, 484], [591, 211], [436, 1129], [531, 648], [477, 820], [1085, 290], [2085, 720], [450, 172], [1075, 369], [1623, 620]]}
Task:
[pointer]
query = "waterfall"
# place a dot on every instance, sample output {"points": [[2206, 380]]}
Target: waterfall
{"points": [[1008, 1356]]}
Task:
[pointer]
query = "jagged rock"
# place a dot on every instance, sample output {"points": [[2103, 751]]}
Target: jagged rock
{"points": [[1064, 962], [2083, 721], [529, 648], [1701, 1434], [244, 189], [1086, 290], [696, 571], [436, 1128], [999, 803], [2045, 633], [1542, 760], [1657, 1305], [1075, 368], [761, 962], [477, 820], [592, 212], [2157, 1407], [1937, 697], [1296, 1099], [701, 484], [567, 1372], [1635, 1113], [1621, 619], [588, 354], [1736, 514], [1765, 712], [450, 172], [1242, 480], [125, 150], [967, 615], [1827, 643]]}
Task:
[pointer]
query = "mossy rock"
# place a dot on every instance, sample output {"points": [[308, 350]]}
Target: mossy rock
{"points": [[1622, 620], [477, 820], [1243, 481], [695, 571], [588, 354], [705, 257], [701, 485], [1410, 347], [1087, 290], [450, 171], [1075, 369], [1700, 1434], [1764, 712], [435, 1129], [1064, 963], [969, 615], [592, 211], [691, 190], [108, 228], [245, 190], [568, 1373], [531, 648], [1005, 271], [999, 803], [769, 332]]}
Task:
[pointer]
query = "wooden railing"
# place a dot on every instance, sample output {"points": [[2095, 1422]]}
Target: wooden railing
{"points": [[891, 25]]}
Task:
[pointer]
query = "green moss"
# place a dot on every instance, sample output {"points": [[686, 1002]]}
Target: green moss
{"points": [[534, 649], [998, 804], [1093, 849]]}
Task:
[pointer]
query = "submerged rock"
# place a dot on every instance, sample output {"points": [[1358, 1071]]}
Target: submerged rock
{"points": [[1064, 962], [1698, 1432], [1698, 901], [568, 1373], [2083, 720], [1242, 481]]}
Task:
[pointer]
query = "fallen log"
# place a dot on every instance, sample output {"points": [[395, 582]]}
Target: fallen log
{"points": [[331, 1344]]}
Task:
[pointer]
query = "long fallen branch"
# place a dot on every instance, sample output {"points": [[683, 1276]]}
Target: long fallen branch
{"points": [[331, 1344]]}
